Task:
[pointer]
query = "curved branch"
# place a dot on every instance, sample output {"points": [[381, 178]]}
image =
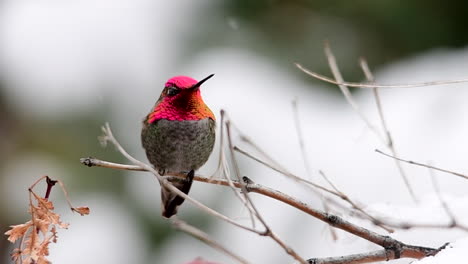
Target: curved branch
{"points": [[369, 257], [388, 243]]}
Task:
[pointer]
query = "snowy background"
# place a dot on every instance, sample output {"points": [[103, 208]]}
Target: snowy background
{"points": [[66, 67]]}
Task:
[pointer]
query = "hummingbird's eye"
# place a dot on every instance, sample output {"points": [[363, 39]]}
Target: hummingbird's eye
{"points": [[171, 91]]}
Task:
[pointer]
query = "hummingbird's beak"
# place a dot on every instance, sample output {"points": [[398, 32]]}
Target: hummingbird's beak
{"points": [[196, 86]]}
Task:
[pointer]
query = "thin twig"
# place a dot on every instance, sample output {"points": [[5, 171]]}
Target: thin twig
{"points": [[319, 187], [225, 171], [344, 89], [300, 138], [423, 165], [309, 183], [444, 204], [406, 225], [36, 182], [93, 162], [197, 233], [65, 193], [375, 90], [336, 221], [90, 162], [389, 140], [364, 85], [285, 173], [453, 220]]}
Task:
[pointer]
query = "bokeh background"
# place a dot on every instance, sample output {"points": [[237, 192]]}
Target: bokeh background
{"points": [[66, 67]]}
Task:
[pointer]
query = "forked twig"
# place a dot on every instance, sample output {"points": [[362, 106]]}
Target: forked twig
{"points": [[285, 173], [364, 85], [333, 220], [223, 167], [444, 204], [393, 248], [423, 165], [308, 183], [344, 89]]}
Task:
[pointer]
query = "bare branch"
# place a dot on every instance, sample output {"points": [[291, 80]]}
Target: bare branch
{"points": [[410, 225], [286, 173], [387, 222], [300, 138], [90, 162], [369, 257], [223, 167], [364, 85], [423, 165], [93, 162], [335, 221], [395, 247]]}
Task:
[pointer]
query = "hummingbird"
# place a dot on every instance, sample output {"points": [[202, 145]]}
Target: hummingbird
{"points": [[178, 136]]}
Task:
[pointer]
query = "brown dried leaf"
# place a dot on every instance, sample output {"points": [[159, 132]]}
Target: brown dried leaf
{"points": [[63, 225], [17, 231], [44, 203], [28, 260], [53, 218], [15, 254], [35, 244], [42, 225], [83, 210], [53, 230], [43, 249], [42, 260]]}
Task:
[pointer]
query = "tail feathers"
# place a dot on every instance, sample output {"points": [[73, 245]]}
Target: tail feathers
{"points": [[172, 201]]}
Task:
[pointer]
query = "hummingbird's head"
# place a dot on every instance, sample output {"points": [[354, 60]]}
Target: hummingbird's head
{"points": [[182, 86], [181, 100]]}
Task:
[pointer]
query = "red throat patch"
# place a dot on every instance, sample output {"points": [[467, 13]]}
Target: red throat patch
{"points": [[186, 106]]}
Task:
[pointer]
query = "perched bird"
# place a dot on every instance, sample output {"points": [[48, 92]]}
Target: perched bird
{"points": [[178, 136]]}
